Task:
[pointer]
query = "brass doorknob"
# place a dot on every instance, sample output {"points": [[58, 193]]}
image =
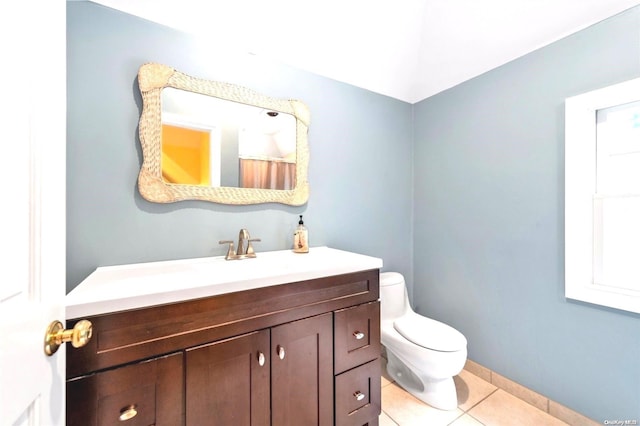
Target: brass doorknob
{"points": [[56, 335]]}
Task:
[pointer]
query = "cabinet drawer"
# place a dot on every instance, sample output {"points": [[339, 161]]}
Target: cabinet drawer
{"points": [[358, 395], [143, 394], [357, 336]]}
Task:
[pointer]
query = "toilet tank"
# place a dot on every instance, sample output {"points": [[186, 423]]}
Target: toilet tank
{"points": [[393, 295]]}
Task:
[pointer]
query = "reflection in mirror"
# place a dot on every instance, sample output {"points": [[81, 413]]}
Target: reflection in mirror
{"points": [[213, 142], [219, 142]]}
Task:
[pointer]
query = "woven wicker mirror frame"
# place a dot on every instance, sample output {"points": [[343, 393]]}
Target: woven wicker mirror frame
{"points": [[152, 78]]}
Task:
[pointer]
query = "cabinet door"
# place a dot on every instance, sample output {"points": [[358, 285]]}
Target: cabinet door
{"points": [[142, 394], [227, 382], [302, 372]]}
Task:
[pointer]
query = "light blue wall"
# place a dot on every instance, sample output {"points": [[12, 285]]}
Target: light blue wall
{"points": [[489, 224], [488, 162], [359, 172]]}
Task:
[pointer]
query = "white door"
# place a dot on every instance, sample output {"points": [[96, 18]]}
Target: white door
{"points": [[32, 209]]}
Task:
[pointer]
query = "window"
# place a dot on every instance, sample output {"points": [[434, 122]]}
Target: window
{"points": [[602, 197]]}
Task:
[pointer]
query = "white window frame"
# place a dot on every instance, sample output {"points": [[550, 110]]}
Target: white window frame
{"points": [[580, 188]]}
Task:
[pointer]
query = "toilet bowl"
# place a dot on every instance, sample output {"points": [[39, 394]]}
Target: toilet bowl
{"points": [[423, 354]]}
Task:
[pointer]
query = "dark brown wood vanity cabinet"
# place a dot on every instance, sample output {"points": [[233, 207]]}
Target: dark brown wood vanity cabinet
{"points": [[287, 368], [302, 353]]}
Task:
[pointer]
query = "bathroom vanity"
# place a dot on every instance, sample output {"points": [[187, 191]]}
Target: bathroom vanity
{"points": [[283, 339]]}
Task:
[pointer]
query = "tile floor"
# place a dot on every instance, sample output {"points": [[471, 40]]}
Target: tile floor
{"points": [[479, 403]]}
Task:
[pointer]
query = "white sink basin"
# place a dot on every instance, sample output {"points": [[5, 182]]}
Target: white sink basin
{"points": [[116, 288]]}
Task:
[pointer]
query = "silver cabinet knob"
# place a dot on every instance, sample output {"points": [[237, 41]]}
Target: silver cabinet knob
{"points": [[260, 358], [128, 412], [359, 395], [358, 335], [280, 351]]}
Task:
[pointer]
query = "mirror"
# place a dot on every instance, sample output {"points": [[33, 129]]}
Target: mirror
{"points": [[214, 141]]}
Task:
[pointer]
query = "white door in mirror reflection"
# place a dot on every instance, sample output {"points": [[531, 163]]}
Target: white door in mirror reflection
{"points": [[207, 141]]}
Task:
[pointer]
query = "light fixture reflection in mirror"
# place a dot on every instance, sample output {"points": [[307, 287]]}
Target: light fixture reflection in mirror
{"points": [[219, 142]]}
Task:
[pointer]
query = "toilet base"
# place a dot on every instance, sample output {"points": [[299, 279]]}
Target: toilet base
{"points": [[438, 393]]}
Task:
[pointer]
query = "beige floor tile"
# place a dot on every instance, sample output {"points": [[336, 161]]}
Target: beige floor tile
{"points": [[466, 420], [471, 389], [385, 420], [385, 381], [520, 391], [406, 410], [504, 409]]}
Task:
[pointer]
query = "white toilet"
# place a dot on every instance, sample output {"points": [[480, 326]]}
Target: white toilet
{"points": [[423, 354]]}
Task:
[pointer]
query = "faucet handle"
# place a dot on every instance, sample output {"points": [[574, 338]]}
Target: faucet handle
{"points": [[249, 246], [231, 252]]}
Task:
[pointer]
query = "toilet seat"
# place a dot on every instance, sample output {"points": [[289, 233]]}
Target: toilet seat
{"points": [[429, 333]]}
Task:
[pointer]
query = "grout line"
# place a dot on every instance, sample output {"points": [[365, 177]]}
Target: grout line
{"points": [[471, 415], [466, 412], [388, 415], [456, 419], [512, 389], [547, 401], [482, 400]]}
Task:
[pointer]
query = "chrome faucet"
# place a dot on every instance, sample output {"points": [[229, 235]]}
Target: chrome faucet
{"points": [[245, 249]]}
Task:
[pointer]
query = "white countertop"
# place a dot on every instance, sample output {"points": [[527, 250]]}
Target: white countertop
{"points": [[117, 288]]}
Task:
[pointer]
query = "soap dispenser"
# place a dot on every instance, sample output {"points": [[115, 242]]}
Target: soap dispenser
{"points": [[300, 238]]}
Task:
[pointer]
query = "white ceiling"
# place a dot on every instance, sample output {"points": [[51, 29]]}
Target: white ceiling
{"points": [[406, 49]]}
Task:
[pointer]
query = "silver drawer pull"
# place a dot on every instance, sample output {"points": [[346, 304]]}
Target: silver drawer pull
{"points": [[280, 350], [358, 335], [128, 413], [260, 358], [359, 395]]}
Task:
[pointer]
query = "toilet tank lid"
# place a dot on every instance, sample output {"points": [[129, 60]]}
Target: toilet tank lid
{"points": [[391, 278], [429, 333]]}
